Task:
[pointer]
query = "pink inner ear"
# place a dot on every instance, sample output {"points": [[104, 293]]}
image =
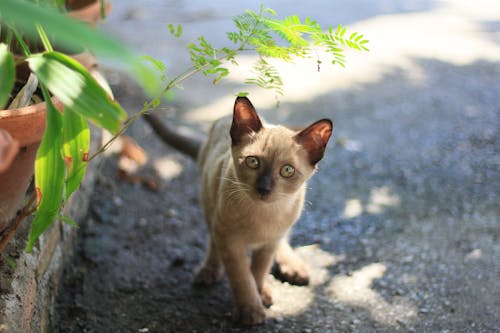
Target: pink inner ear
{"points": [[245, 119], [324, 129], [315, 138]]}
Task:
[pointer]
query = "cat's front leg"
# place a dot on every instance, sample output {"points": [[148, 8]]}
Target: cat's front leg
{"points": [[262, 259], [248, 308]]}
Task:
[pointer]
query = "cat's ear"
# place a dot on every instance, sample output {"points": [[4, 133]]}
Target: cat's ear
{"points": [[314, 139], [245, 119]]}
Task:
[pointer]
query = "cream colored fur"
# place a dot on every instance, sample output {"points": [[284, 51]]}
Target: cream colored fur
{"points": [[240, 219]]}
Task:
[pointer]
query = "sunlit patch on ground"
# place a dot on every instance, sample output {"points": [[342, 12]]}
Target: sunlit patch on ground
{"points": [[319, 261], [356, 289], [380, 199], [167, 167]]}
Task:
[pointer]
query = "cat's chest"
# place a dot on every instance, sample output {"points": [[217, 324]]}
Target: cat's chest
{"points": [[260, 223]]}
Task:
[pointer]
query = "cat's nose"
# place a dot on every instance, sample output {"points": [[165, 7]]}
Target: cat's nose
{"points": [[264, 184], [263, 190]]}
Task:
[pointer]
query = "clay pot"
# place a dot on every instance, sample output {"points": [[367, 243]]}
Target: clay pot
{"points": [[88, 11], [25, 127], [21, 130]]}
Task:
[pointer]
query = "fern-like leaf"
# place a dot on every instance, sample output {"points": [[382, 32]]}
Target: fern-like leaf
{"points": [[267, 77]]}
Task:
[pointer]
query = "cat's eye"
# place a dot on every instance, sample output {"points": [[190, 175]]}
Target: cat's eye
{"points": [[287, 171], [252, 162]]}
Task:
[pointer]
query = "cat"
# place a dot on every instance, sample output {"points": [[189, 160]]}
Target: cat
{"points": [[254, 179], [261, 201]]}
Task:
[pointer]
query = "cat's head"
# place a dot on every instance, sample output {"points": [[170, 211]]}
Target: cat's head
{"points": [[273, 161]]}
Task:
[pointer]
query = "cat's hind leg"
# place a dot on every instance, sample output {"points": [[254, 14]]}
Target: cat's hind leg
{"points": [[291, 267], [211, 270]]}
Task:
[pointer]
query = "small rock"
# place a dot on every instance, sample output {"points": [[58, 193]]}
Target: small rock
{"points": [[474, 255], [339, 306], [172, 212], [407, 259], [118, 201], [177, 262]]}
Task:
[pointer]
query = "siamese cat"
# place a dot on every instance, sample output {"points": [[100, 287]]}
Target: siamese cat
{"points": [[253, 184]]}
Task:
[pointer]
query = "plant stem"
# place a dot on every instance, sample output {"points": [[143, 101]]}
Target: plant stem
{"points": [[44, 38], [174, 82], [26, 211], [20, 40]]}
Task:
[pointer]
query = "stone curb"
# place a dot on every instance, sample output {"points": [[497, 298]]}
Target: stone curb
{"points": [[29, 287]]}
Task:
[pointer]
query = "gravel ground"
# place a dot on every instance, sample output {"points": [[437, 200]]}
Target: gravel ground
{"points": [[401, 226]]}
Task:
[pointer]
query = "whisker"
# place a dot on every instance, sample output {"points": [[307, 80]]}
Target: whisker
{"points": [[237, 191]]}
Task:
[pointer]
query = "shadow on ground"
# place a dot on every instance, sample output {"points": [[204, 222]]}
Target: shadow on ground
{"points": [[401, 225]]}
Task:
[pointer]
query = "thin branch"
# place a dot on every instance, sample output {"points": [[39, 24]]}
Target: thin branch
{"points": [[26, 211], [172, 83]]}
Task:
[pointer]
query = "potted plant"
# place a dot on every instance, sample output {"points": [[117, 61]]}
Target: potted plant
{"points": [[52, 97]]}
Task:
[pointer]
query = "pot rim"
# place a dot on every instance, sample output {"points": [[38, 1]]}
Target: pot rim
{"points": [[26, 124]]}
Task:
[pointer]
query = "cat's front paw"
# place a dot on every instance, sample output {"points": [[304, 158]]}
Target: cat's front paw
{"points": [[207, 276], [249, 314], [267, 296]]}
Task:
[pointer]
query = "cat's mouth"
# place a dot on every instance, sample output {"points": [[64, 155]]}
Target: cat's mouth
{"points": [[263, 197]]}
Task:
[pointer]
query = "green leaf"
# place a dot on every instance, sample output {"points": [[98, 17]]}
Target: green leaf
{"points": [[74, 36], [68, 221], [242, 94], [7, 74], [268, 77], [68, 32], [103, 8], [76, 145], [49, 173], [171, 28], [43, 37], [273, 13], [77, 89], [158, 64], [9, 261], [290, 29], [147, 77], [177, 32], [338, 31], [156, 102]]}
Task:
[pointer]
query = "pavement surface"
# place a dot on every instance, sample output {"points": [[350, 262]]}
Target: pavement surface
{"points": [[401, 224]]}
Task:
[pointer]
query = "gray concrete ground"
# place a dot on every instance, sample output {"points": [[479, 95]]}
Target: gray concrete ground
{"points": [[401, 226]]}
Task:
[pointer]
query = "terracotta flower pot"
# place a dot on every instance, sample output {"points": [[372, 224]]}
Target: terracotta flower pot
{"points": [[88, 11], [25, 127], [21, 130]]}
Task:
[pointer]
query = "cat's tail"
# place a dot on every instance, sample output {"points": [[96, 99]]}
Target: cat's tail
{"points": [[186, 143]]}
